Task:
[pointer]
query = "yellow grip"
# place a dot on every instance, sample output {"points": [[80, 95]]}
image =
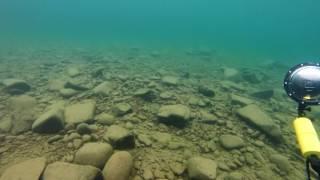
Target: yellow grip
{"points": [[307, 137]]}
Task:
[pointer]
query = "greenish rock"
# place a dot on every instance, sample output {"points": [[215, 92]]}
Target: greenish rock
{"points": [[255, 116], [80, 112], [68, 92], [234, 176], [281, 162], [16, 86], [144, 139], [94, 154], [176, 115], [264, 94], [170, 80], [119, 137], [200, 168], [83, 128], [105, 119], [206, 91], [104, 89], [163, 138], [73, 71], [236, 99], [118, 167], [230, 142], [122, 109]]}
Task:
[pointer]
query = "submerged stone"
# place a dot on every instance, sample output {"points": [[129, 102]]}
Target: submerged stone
{"points": [[177, 115], [200, 168], [80, 112], [118, 167], [16, 86], [119, 137]]}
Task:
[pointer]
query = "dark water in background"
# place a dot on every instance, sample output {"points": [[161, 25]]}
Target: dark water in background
{"points": [[248, 30]]}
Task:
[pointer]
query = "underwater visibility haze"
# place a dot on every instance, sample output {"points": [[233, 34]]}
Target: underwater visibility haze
{"points": [[147, 89]]}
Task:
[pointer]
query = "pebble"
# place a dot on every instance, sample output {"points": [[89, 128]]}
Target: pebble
{"points": [[54, 138], [77, 143], [83, 128]]}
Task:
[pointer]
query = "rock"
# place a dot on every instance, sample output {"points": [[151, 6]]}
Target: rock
{"points": [[118, 167], [235, 99], [83, 128], [206, 91], [163, 138], [250, 76], [144, 93], [68, 92], [200, 168], [208, 118], [56, 85], [94, 154], [80, 112], [231, 142], [77, 143], [16, 86], [63, 170], [281, 162], [119, 137], [54, 138], [73, 71], [264, 94], [229, 73], [77, 85], [51, 121], [28, 170], [177, 168], [235, 176], [177, 115], [105, 119], [104, 88], [144, 139], [122, 109], [5, 125], [170, 80], [166, 95], [254, 115], [147, 174], [22, 110]]}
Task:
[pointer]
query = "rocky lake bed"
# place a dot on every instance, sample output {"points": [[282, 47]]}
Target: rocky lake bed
{"points": [[135, 114]]}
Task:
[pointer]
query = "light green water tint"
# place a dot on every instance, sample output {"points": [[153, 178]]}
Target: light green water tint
{"points": [[248, 30]]}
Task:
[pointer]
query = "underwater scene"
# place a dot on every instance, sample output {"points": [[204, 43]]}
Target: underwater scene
{"points": [[153, 89]]}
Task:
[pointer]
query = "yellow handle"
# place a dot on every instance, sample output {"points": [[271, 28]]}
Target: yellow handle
{"points": [[307, 137]]}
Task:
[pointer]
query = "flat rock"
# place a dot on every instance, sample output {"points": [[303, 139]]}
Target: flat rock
{"points": [[208, 118], [177, 115], [200, 168], [68, 92], [77, 84], [73, 71], [22, 109], [51, 121], [122, 109], [105, 119], [119, 137], [236, 99], [170, 80], [16, 86], [27, 170], [161, 137], [206, 91], [94, 154], [255, 116], [264, 94], [80, 112], [56, 85], [105, 88], [118, 167], [230, 72], [231, 142], [145, 93], [62, 170]]}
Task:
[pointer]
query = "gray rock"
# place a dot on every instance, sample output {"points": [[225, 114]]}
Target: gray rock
{"points": [[51, 121], [177, 115], [118, 167], [119, 137], [83, 128], [62, 170], [122, 109], [16, 86], [231, 142], [22, 110], [104, 88], [170, 80], [29, 170], [80, 112], [254, 115], [200, 168], [281, 162], [94, 154]]}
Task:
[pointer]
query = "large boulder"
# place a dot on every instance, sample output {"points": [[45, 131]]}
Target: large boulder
{"points": [[255, 116], [118, 167], [51, 121], [62, 170], [27, 170], [22, 109], [200, 168], [177, 115], [80, 112], [94, 154], [16, 86], [119, 137], [230, 142]]}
